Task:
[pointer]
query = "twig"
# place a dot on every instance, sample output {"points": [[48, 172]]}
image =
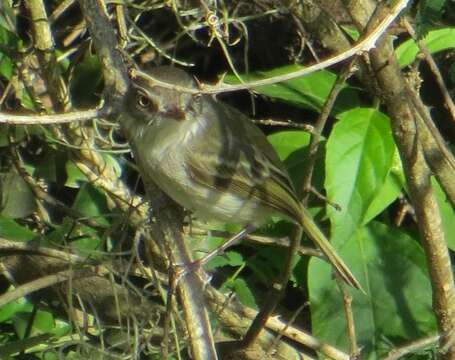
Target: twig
{"points": [[434, 69], [38, 284], [44, 44], [412, 347], [190, 288], [286, 123], [34, 119], [259, 239], [60, 9], [8, 246], [439, 157], [368, 43], [350, 324], [42, 196], [114, 70], [288, 325], [319, 126], [417, 172], [238, 317]]}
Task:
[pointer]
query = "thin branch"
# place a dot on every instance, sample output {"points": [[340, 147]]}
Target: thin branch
{"points": [[38, 284], [350, 324], [167, 229], [362, 46], [434, 69], [51, 119], [319, 127], [8, 246], [365, 45], [237, 318], [44, 44], [413, 347], [417, 172], [438, 156], [114, 70]]}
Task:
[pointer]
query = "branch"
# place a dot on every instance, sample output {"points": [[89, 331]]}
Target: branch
{"points": [[434, 69], [404, 125], [368, 43], [413, 347], [390, 84], [237, 317], [168, 227], [34, 119]]}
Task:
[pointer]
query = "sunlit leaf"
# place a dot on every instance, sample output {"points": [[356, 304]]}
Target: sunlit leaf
{"points": [[361, 154], [309, 91], [436, 40]]}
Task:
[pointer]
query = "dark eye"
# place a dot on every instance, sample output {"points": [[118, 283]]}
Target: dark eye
{"points": [[197, 98], [196, 102], [143, 101]]}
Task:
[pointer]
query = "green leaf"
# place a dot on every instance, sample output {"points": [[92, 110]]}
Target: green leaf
{"points": [[292, 148], [18, 132], [398, 304], [92, 203], [15, 347], [352, 31], [61, 233], [86, 81], [43, 322], [360, 156], [286, 142], [52, 167], [267, 263], [229, 258], [309, 91], [75, 177], [9, 41], [447, 213], [9, 310], [243, 292], [388, 193], [435, 41], [8, 15], [11, 230], [17, 199], [6, 67], [26, 100], [452, 72], [429, 12]]}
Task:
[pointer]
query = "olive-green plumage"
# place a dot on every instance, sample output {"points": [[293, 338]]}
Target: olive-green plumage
{"points": [[211, 159]]}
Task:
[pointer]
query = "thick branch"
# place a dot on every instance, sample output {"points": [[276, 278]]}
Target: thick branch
{"points": [[168, 228], [404, 125], [414, 151]]}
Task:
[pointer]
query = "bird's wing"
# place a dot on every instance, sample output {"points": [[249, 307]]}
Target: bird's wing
{"points": [[246, 164]]}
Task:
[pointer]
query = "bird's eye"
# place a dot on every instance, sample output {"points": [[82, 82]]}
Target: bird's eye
{"points": [[143, 101], [196, 102], [197, 98]]}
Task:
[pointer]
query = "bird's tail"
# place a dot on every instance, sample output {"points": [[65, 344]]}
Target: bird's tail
{"points": [[321, 241]]}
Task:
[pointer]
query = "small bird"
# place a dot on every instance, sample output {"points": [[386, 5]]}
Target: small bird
{"points": [[211, 159]]}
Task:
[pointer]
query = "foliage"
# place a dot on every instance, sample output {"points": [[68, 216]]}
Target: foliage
{"points": [[358, 168], [428, 14]]}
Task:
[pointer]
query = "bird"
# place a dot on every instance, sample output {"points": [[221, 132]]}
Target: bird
{"points": [[212, 159]]}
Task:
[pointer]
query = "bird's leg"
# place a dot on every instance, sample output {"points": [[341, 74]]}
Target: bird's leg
{"points": [[197, 264]]}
